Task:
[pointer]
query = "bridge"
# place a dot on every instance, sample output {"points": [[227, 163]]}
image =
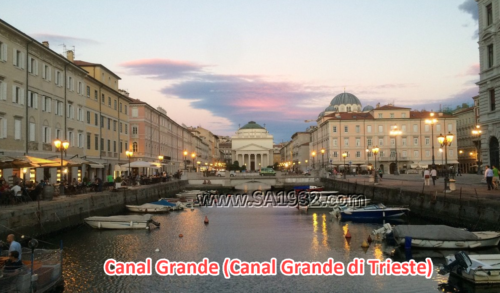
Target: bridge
{"points": [[254, 181]]}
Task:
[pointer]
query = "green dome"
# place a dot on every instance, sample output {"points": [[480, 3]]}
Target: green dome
{"points": [[252, 125]]}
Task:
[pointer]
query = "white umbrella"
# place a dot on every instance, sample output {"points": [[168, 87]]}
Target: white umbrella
{"points": [[118, 168]]}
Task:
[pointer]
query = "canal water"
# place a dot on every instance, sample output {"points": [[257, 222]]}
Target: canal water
{"points": [[249, 234]]}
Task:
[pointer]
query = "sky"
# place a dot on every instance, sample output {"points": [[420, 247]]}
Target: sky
{"points": [[220, 64]]}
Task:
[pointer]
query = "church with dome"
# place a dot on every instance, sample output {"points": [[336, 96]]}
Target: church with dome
{"points": [[346, 127], [252, 146]]}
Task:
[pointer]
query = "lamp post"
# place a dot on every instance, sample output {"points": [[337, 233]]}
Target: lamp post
{"points": [[185, 155], [129, 155], [446, 142], [344, 155], [193, 155], [431, 122], [395, 132], [313, 155], [477, 132], [442, 156], [322, 158], [375, 152], [61, 146]]}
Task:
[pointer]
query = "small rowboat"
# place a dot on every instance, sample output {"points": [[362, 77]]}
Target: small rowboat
{"points": [[478, 268], [121, 222]]}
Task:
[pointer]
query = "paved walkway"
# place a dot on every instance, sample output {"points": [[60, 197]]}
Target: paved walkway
{"points": [[470, 185]]}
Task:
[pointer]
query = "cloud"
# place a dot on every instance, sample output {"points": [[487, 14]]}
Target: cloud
{"points": [[472, 70], [60, 39], [470, 7], [163, 68]]}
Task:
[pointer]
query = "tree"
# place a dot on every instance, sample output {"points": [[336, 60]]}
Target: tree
{"points": [[243, 168]]}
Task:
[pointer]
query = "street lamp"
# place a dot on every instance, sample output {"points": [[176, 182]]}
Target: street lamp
{"points": [[375, 152], [322, 158], [185, 155], [446, 142], [432, 121], [477, 132], [193, 155], [313, 155], [395, 132], [61, 146], [344, 155], [129, 155]]}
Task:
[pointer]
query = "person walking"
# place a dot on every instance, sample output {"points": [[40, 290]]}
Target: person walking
{"points": [[489, 177], [495, 177], [380, 173], [427, 177], [434, 175]]}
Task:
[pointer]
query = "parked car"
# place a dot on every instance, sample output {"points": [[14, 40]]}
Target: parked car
{"points": [[223, 173], [267, 172]]}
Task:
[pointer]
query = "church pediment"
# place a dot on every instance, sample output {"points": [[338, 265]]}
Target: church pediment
{"points": [[252, 147]]}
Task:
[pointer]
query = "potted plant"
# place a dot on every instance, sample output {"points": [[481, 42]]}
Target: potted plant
{"points": [[118, 182]]}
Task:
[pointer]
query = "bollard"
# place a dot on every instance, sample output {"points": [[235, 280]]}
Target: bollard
{"points": [[407, 242]]}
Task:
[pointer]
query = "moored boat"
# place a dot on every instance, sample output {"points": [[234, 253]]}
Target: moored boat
{"points": [[177, 206], [373, 211], [329, 199], [148, 208], [121, 222], [444, 237], [477, 268]]}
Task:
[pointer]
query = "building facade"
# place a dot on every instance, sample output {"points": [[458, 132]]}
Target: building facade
{"points": [[252, 146], [467, 148], [355, 133]]}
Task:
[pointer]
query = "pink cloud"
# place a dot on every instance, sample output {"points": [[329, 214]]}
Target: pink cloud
{"points": [[163, 68]]}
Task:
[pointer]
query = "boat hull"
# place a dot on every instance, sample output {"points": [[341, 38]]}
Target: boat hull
{"points": [[374, 214], [148, 209], [483, 269], [468, 244], [120, 222]]}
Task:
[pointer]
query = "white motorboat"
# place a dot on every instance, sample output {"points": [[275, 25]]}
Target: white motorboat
{"points": [[444, 237], [148, 208], [477, 268], [121, 222]]}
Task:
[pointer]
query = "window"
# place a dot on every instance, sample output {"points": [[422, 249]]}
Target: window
{"points": [[415, 154], [103, 99], [380, 128], [95, 95], [80, 140], [114, 146], [126, 111], [18, 59], [96, 142], [58, 108], [59, 78], [71, 138], [379, 115], [115, 105], [369, 142], [70, 113], [32, 100], [58, 134], [427, 141], [88, 117], [392, 115], [102, 144], [17, 95], [369, 128], [426, 127], [121, 146], [335, 154], [358, 154], [403, 141], [33, 66], [438, 127], [348, 109], [358, 142], [126, 129], [46, 72], [334, 127], [405, 154], [121, 127], [380, 141], [490, 56], [102, 121], [80, 88], [32, 129], [489, 14], [134, 147], [135, 112], [109, 101], [80, 114], [3, 90], [3, 127], [17, 129], [109, 123], [357, 128], [134, 129], [492, 100], [450, 127], [346, 129], [415, 128], [89, 143], [415, 140], [126, 145], [334, 142], [346, 142], [393, 141], [88, 92], [121, 108], [109, 145], [70, 83], [3, 52], [114, 125], [46, 134], [403, 115], [427, 153]]}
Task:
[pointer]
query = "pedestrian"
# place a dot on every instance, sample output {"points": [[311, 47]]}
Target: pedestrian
{"points": [[14, 245], [495, 177], [459, 172], [380, 172], [489, 177], [427, 177], [434, 175]]}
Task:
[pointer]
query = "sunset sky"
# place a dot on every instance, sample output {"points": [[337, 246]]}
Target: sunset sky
{"points": [[220, 64]]}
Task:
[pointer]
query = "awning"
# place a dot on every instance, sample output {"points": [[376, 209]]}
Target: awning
{"points": [[118, 168], [96, 166], [414, 166]]}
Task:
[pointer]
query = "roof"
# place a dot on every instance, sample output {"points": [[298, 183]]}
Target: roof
{"points": [[460, 111], [85, 63], [349, 116], [391, 107], [252, 125], [344, 99], [427, 114]]}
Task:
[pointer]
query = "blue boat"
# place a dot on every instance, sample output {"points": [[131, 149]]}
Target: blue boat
{"points": [[373, 211], [163, 202]]}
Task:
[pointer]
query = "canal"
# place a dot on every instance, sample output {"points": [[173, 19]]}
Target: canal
{"points": [[249, 234]]}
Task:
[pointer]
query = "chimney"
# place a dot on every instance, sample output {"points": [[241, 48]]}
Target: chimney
{"points": [[70, 55], [46, 44]]}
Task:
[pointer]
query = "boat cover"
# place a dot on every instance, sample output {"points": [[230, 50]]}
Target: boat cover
{"points": [[433, 232], [125, 218], [164, 203]]}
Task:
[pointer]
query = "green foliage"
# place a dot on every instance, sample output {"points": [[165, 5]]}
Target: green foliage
{"points": [[118, 179]]}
